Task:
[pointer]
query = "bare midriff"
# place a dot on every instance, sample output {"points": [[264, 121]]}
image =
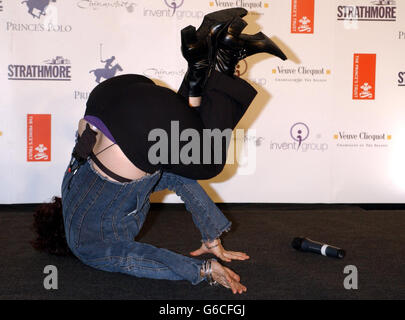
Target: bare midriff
{"points": [[112, 158]]}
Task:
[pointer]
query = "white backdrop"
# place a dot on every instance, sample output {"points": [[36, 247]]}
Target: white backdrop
{"points": [[342, 90]]}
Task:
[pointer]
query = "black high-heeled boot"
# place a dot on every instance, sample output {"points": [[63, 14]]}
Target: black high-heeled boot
{"points": [[199, 47], [196, 54], [234, 46], [218, 19]]}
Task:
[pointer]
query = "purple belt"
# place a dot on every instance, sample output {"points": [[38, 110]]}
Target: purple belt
{"points": [[95, 121]]}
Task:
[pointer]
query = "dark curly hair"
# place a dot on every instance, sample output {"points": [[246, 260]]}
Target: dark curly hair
{"points": [[49, 229]]}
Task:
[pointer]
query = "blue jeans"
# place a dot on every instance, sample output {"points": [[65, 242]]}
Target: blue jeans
{"points": [[102, 218]]}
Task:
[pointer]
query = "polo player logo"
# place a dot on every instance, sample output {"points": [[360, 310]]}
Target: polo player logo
{"points": [[108, 71], [38, 5], [173, 5]]}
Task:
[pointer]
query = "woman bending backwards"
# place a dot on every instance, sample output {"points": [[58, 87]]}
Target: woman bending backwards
{"points": [[115, 165]]}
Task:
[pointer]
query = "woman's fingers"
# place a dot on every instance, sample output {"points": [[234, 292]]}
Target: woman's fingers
{"points": [[236, 286], [227, 278], [236, 255], [234, 275], [233, 280], [233, 284], [223, 257], [241, 288]]}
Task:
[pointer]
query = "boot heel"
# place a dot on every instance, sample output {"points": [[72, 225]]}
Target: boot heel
{"points": [[259, 43], [219, 18], [237, 26], [199, 47], [188, 35], [188, 42], [234, 46]]}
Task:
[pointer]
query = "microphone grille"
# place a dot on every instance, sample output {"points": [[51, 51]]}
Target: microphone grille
{"points": [[341, 253], [296, 243]]}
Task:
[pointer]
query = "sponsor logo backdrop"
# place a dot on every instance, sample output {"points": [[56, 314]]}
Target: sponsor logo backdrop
{"points": [[328, 125]]}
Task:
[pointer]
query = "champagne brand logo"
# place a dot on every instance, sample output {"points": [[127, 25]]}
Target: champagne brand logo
{"points": [[302, 73], [247, 4], [362, 139]]}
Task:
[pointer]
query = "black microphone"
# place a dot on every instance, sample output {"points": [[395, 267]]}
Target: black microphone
{"points": [[308, 245]]}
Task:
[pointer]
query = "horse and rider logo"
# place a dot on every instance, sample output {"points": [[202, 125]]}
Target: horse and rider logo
{"points": [[108, 71], [39, 6]]}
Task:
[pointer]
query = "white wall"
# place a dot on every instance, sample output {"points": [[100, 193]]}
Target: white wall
{"points": [[144, 37]]}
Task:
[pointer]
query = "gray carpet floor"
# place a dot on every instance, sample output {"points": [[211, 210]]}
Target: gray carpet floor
{"points": [[374, 241]]}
